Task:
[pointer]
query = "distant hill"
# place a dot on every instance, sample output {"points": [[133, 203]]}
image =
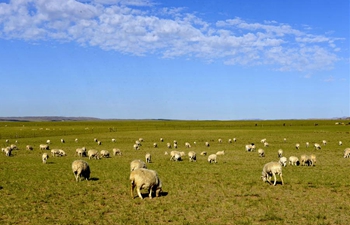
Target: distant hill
{"points": [[47, 118]]}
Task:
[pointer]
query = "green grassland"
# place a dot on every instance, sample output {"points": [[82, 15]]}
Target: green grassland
{"points": [[229, 192]]}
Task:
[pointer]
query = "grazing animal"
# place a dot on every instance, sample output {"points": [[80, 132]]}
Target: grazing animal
{"points": [[44, 147], [44, 157], [81, 169], [271, 169], [192, 156], [280, 153], [136, 164], [148, 158], [92, 153], [261, 152], [293, 160], [212, 158], [204, 153], [145, 179], [283, 161], [116, 151]]}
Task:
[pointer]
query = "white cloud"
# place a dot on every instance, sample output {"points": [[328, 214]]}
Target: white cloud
{"points": [[132, 27]]}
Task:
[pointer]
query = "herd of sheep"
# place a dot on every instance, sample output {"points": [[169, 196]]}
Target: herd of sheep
{"points": [[143, 178]]}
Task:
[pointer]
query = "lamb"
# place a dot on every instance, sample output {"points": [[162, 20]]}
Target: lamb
{"points": [[297, 146], [93, 154], [283, 161], [29, 147], [212, 158], [136, 164], [148, 158], [347, 153], [104, 153], [220, 153], [293, 160], [44, 157], [145, 179], [280, 153], [44, 147], [116, 151], [192, 156], [81, 169], [269, 169], [317, 146], [261, 152]]}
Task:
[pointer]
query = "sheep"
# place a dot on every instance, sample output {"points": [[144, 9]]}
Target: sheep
{"points": [[113, 140], [324, 142], [175, 141], [175, 155], [76, 140], [297, 146], [145, 179], [250, 147], [136, 147], [81, 169], [207, 144], [317, 146], [175, 145], [307, 144], [305, 160], [136, 164], [204, 153], [263, 140], [116, 151], [63, 141], [44, 157], [29, 147], [95, 140], [148, 158], [284, 139], [340, 143], [220, 140], [155, 145], [230, 140], [55, 152], [283, 161], [13, 147], [234, 139], [48, 142], [7, 150], [266, 144], [166, 153], [313, 159], [161, 139], [220, 153], [293, 160], [347, 153], [261, 152], [104, 153], [140, 139], [168, 145], [280, 153], [81, 151], [93, 154], [7, 141], [137, 142], [187, 145], [192, 156], [99, 142], [44, 147], [212, 158], [61, 152], [269, 169]]}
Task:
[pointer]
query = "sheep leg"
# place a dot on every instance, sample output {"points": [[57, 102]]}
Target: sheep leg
{"points": [[132, 189], [281, 179], [150, 192], [274, 181], [139, 192]]}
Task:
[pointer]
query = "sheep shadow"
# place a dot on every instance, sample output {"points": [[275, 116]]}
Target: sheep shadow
{"points": [[94, 179], [146, 195], [50, 163], [1, 187]]}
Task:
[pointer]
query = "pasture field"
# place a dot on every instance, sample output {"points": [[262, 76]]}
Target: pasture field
{"points": [[229, 192]]}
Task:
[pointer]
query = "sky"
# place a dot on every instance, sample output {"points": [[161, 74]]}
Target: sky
{"points": [[187, 60]]}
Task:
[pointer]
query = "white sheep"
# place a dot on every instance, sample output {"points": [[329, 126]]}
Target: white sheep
{"points": [[263, 140], [220, 153], [55, 152], [136, 147], [261, 152], [187, 145], [230, 140], [168, 145], [166, 153], [220, 140], [29, 147], [155, 145], [99, 142], [76, 140], [81, 169], [44, 157], [136, 164], [116, 151], [307, 144], [192, 156], [207, 144], [250, 147], [212, 158], [92, 153], [7, 150], [297, 146], [271, 169], [140, 139], [113, 140], [145, 179], [81, 151], [161, 139], [324, 142], [148, 158], [317, 146], [340, 143], [13, 147], [175, 155], [44, 147], [347, 153], [175, 145], [63, 141], [293, 160], [104, 153], [305, 160], [234, 139], [204, 153], [280, 153], [48, 142], [283, 161], [313, 159], [266, 144]]}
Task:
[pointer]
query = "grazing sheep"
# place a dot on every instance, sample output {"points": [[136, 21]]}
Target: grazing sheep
{"points": [[166, 153], [230, 140], [113, 140], [220, 153], [250, 147], [48, 142], [347, 153], [81, 169], [324, 142], [317, 146], [44, 157], [283, 161], [307, 144], [92, 153], [116, 151], [220, 140], [313, 159], [161, 139], [145, 179], [340, 143], [7, 141], [61, 152], [55, 152], [207, 144], [168, 145], [148, 158], [137, 142], [266, 144], [284, 139], [293, 160], [280, 153], [263, 140], [99, 143], [63, 141], [305, 160], [7, 150], [140, 139], [155, 145], [204, 153], [234, 139], [44, 147], [175, 145], [212, 158], [81, 151], [104, 153], [175, 155], [297, 146], [13, 147], [187, 145], [76, 140], [136, 147], [136, 164], [95, 140], [192, 156], [269, 169], [29, 147], [261, 152]]}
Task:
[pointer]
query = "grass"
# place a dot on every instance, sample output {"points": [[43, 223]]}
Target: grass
{"points": [[229, 192]]}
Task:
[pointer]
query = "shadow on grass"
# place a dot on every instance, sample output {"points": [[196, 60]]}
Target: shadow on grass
{"points": [[94, 179], [50, 163], [1, 187]]}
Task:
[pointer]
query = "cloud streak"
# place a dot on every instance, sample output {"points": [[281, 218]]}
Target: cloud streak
{"points": [[141, 28]]}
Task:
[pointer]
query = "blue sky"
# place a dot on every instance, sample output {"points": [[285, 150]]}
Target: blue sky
{"points": [[200, 60]]}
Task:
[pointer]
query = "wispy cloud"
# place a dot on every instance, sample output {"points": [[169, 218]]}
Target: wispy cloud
{"points": [[141, 27]]}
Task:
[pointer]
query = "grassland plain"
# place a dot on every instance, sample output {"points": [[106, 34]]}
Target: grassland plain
{"points": [[229, 192]]}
